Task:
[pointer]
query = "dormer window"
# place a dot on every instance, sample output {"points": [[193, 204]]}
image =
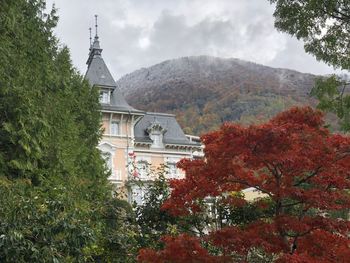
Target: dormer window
{"points": [[105, 97], [157, 140], [156, 134]]}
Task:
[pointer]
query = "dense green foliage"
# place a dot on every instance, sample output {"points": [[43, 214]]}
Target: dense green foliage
{"points": [[152, 221], [42, 225], [50, 119], [55, 200], [333, 97], [118, 235]]}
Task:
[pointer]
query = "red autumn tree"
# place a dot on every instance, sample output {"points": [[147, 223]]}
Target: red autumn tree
{"points": [[301, 168]]}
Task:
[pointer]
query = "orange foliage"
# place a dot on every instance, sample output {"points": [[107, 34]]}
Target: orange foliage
{"points": [[297, 163]]}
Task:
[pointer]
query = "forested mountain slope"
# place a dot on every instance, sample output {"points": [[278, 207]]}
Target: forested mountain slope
{"points": [[206, 91]]}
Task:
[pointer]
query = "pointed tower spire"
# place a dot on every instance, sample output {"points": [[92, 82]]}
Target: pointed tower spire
{"points": [[95, 49], [98, 73], [99, 76]]}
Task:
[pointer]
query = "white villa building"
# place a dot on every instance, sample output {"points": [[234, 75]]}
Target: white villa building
{"points": [[133, 138]]}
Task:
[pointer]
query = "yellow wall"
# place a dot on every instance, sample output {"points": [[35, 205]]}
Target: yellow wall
{"points": [[119, 146], [251, 194], [125, 123]]}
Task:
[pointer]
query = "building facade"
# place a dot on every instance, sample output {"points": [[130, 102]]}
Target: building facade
{"points": [[135, 142]]}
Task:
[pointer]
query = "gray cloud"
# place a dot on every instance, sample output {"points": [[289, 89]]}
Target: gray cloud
{"points": [[293, 56], [136, 33]]}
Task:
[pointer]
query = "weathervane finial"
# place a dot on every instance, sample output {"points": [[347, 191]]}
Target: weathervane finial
{"points": [[90, 37], [96, 35]]}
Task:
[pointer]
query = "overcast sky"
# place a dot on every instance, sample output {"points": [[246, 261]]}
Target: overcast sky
{"points": [[141, 33]]}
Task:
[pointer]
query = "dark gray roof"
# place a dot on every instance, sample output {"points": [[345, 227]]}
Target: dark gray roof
{"points": [[173, 134], [97, 72], [118, 103], [98, 75]]}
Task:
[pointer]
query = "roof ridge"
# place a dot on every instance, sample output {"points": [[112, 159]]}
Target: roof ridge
{"points": [[161, 114]]}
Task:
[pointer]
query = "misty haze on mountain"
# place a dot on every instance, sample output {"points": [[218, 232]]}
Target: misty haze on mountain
{"points": [[205, 92]]}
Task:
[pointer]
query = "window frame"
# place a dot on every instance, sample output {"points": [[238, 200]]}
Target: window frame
{"points": [[111, 130], [172, 170], [143, 169], [105, 97]]}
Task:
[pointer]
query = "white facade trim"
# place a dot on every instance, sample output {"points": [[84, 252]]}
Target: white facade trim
{"points": [[109, 148], [161, 151]]}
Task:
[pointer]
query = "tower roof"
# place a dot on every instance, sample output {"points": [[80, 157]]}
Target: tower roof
{"points": [[99, 75]]}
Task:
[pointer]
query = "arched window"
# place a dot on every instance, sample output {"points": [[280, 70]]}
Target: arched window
{"points": [[108, 159], [143, 169], [107, 153]]}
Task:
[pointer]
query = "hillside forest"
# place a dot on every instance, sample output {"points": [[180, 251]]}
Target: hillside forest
{"points": [[205, 92]]}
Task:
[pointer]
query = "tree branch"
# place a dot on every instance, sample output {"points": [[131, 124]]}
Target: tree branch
{"points": [[292, 204], [308, 177], [253, 186]]}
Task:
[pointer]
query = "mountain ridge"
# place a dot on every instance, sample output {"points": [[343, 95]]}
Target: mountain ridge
{"points": [[205, 91], [212, 57]]}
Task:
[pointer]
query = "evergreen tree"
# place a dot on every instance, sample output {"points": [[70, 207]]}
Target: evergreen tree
{"points": [[53, 182]]}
